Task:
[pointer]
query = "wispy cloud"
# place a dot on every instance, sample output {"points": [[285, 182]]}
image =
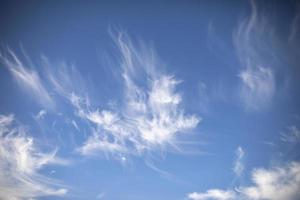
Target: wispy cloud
{"points": [[258, 87], [41, 114], [276, 183], [214, 194], [20, 162], [27, 78], [151, 113], [238, 165], [254, 41], [294, 27], [292, 135], [162, 172]]}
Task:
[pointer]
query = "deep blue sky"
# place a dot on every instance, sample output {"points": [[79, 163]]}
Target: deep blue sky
{"points": [[233, 66]]}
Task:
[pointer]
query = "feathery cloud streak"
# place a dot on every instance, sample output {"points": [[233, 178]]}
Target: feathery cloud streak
{"points": [[151, 115], [20, 162], [292, 135], [28, 79], [254, 42]]}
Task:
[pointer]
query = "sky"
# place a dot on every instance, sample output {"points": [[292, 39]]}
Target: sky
{"points": [[143, 100]]}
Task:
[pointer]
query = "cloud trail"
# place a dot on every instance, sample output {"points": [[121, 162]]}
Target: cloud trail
{"points": [[238, 166], [20, 162], [28, 79], [255, 43]]}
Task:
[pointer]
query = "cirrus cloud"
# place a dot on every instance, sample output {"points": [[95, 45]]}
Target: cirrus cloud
{"points": [[151, 114], [20, 162]]}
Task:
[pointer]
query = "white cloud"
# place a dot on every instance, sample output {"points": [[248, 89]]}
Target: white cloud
{"points": [[277, 183], [20, 162], [5, 121], [255, 44], [41, 114], [238, 166], [28, 79], [292, 135], [94, 144], [214, 194], [151, 115], [258, 87], [75, 125]]}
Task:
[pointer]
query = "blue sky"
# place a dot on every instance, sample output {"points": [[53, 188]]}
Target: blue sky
{"points": [[139, 100]]}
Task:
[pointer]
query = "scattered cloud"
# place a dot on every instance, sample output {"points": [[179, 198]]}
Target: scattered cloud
{"points": [[5, 121], [28, 79], [20, 162], [276, 183], [41, 114], [75, 125], [151, 113], [292, 135], [238, 166], [279, 183], [258, 87], [214, 194], [255, 44], [94, 145]]}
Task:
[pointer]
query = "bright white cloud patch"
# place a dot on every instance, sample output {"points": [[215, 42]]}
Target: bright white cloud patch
{"points": [[277, 183], [20, 161], [214, 194], [28, 79], [280, 183]]}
